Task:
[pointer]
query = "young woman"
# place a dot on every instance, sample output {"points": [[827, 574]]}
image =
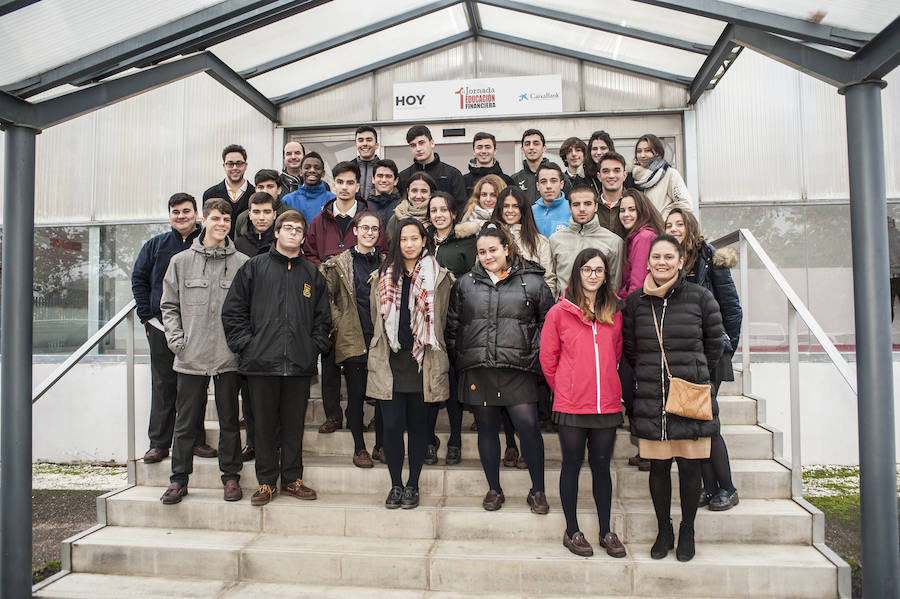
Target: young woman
{"points": [[407, 367], [711, 268], [415, 202], [639, 224], [455, 250], [690, 326], [514, 210], [659, 181], [484, 198], [493, 330], [581, 344], [347, 275]]}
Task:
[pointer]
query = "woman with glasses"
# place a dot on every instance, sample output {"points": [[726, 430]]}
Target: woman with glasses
{"points": [[581, 344]]}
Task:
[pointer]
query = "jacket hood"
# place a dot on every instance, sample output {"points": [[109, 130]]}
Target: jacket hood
{"points": [[383, 199], [725, 257], [467, 229], [212, 252], [480, 171]]}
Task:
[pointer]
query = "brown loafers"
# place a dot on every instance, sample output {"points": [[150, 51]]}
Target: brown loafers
{"points": [[493, 501], [538, 502], [155, 454], [329, 426], [174, 494], [205, 451], [264, 494], [578, 544], [378, 454], [362, 459], [233, 491], [612, 544], [510, 457], [299, 490]]}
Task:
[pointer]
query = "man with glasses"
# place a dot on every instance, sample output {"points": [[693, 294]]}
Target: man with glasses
{"points": [[277, 319], [234, 188]]}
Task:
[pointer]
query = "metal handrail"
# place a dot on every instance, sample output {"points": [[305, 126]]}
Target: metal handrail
{"points": [[126, 314], [796, 308]]}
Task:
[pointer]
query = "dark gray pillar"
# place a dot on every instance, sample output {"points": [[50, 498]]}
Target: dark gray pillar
{"points": [[15, 344], [874, 361]]}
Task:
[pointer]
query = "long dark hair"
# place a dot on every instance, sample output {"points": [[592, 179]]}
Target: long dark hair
{"points": [[605, 303], [423, 176], [529, 232], [647, 215], [499, 231], [395, 256], [591, 168], [693, 240], [451, 206]]}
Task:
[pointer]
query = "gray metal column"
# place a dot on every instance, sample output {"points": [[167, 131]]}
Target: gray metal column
{"points": [[15, 388], [871, 295]]}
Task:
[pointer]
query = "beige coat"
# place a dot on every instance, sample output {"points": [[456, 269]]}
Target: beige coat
{"points": [[346, 329], [669, 192], [435, 365], [544, 256]]}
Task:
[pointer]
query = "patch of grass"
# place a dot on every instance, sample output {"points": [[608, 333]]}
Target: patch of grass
{"points": [[818, 472], [46, 571]]}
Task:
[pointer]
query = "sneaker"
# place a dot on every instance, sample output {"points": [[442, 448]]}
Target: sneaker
{"points": [[612, 544], [431, 453], [538, 502], [393, 499], [330, 425], [378, 454], [723, 500], [577, 544], [362, 459], [454, 455], [155, 454], [298, 490], [264, 494], [510, 457], [174, 494], [410, 498]]}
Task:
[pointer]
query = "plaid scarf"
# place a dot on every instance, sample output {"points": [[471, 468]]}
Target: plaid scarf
{"points": [[647, 177], [421, 305]]}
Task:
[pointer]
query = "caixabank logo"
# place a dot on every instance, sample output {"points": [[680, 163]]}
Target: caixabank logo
{"points": [[476, 98], [531, 96]]}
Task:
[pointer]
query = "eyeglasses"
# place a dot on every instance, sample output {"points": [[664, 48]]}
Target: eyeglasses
{"points": [[237, 164], [289, 229], [369, 228], [587, 271]]}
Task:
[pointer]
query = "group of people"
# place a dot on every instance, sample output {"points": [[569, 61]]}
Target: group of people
{"points": [[555, 298]]}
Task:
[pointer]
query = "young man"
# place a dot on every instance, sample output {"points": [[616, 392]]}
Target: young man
{"points": [[448, 178], [551, 212], [276, 317], [611, 175], [384, 196], [533, 146], [235, 188], [313, 194], [484, 147], [585, 232], [266, 180], [573, 152], [290, 178], [259, 236], [366, 146], [193, 292], [331, 233]]}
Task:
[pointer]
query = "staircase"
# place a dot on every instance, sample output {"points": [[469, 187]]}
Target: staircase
{"points": [[346, 544]]}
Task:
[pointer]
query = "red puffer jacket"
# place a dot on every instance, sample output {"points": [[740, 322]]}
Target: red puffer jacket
{"points": [[580, 361]]}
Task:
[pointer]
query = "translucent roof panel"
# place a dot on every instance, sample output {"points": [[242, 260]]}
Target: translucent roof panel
{"points": [[870, 16], [590, 41], [306, 29], [362, 52], [50, 33]]}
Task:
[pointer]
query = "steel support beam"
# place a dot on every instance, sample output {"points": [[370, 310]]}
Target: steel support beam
{"points": [[881, 55], [539, 10], [346, 38], [591, 58], [767, 21], [381, 64], [874, 368], [473, 19], [8, 6], [14, 111], [15, 369], [721, 55]]}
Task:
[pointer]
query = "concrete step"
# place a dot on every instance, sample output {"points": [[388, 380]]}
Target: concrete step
{"points": [[493, 566], [752, 521], [745, 442], [755, 479]]}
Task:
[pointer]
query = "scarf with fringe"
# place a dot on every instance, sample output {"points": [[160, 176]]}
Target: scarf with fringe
{"points": [[421, 305]]}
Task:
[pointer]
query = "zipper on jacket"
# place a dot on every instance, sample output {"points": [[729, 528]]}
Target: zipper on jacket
{"points": [[284, 302], [662, 371], [596, 365]]}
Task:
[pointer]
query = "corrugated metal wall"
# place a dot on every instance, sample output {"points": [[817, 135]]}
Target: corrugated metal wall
{"points": [[124, 161]]}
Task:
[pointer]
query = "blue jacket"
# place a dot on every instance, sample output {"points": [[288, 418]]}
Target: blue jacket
{"points": [[552, 218], [150, 268], [308, 200]]}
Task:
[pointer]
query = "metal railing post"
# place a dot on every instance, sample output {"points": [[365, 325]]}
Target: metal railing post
{"points": [[794, 353], [745, 321], [129, 393]]}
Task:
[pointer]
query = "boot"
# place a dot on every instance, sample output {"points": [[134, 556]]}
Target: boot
{"points": [[665, 540], [685, 551]]}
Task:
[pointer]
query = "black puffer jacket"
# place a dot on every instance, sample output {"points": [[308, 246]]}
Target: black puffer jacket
{"points": [[691, 327], [713, 270], [498, 326]]}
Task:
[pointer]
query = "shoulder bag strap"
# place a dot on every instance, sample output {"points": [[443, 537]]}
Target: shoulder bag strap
{"points": [[659, 338]]}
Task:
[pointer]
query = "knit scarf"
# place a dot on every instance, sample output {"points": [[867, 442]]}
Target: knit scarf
{"points": [[651, 288], [405, 209], [290, 181], [421, 305], [479, 214], [647, 177]]}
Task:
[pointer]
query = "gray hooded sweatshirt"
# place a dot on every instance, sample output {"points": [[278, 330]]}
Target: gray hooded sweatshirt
{"points": [[194, 290]]}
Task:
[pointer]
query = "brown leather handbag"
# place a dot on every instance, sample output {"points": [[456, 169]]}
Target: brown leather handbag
{"points": [[687, 399]]}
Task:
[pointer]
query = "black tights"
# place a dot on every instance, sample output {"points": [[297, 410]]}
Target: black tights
{"points": [[524, 418], [355, 375], [717, 470], [405, 411], [661, 489], [600, 443]]}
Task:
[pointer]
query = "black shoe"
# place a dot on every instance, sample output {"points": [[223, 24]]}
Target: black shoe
{"points": [[393, 499], [454, 455], [410, 498], [723, 500], [685, 551], [665, 540], [704, 498], [431, 453]]}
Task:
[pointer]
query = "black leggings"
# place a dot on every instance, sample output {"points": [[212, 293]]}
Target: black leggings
{"points": [[717, 470], [524, 418], [355, 375], [661, 489], [405, 411], [600, 443]]}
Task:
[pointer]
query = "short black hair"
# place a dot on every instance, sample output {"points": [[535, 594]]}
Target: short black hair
{"points": [[365, 128], [313, 155], [181, 198], [260, 197], [234, 148], [346, 167], [551, 166], [582, 189], [611, 155], [387, 163], [533, 132], [417, 130], [484, 135], [266, 174]]}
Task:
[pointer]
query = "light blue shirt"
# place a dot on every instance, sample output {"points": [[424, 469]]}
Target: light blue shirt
{"points": [[552, 218]]}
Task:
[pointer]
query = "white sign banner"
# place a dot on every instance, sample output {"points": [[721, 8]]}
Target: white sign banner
{"points": [[477, 97]]}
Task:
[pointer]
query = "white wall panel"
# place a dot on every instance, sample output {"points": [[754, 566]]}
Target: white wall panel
{"points": [[348, 102], [890, 109], [607, 89], [64, 185], [823, 140]]}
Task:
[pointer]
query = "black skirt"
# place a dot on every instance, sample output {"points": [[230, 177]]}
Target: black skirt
{"points": [[588, 420], [497, 387], [406, 373]]}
